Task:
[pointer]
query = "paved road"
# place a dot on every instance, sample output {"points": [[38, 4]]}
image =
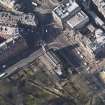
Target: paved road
{"points": [[59, 43], [32, 57], [71, 53], [24, 62]]}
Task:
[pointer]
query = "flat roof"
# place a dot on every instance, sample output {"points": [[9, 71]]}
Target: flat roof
{"points": [[65, 10], [77, 19], [101, 5], [13, 19], [7, 32]]}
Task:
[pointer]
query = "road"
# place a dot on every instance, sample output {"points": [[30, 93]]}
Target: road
{"points": [[24, 62], [58, 44], [69, 48]]}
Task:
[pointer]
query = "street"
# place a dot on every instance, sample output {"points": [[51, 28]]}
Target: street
{"points": [[23, 62]]}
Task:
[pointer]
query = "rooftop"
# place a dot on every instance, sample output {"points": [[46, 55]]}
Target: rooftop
{"points": [[18, 5], [101, 5], [67, 9], [7, 32], [10, 19], [78, 19], [95, 40]]}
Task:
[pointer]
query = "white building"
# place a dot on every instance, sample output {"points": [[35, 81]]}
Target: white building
{"points": [[101, 6], [78, 20], [10, 19], [11, 47], [17, 5], [71, 14], [94, 41]]}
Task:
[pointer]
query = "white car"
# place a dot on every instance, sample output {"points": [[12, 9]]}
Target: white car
{"points": [[2, 75]]}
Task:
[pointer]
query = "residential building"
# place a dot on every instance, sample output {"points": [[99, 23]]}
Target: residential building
{"points": [[78, 20], [100, 5], [10, 19], [93, 40], [18, 5], [11, 44], [70, 13]]}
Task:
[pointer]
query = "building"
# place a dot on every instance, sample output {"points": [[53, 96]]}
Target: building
{"points": [[101, 75], [52, 61], [14, 30], [6, 2], [100, 5], [99, 42], [93, 40], [12, 19], [6, 32], [18, 5], [78, 20], [95, 17], [70, 13], [11, 44]]}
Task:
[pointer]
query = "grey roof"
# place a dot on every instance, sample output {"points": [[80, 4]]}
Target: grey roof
{"points": [[19, 5], [78, 20], [10, 19], [101, 5], [65, 10]]}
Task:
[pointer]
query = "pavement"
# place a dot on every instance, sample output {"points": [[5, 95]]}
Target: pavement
{"points": [[23, 62], [58, 43]]}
